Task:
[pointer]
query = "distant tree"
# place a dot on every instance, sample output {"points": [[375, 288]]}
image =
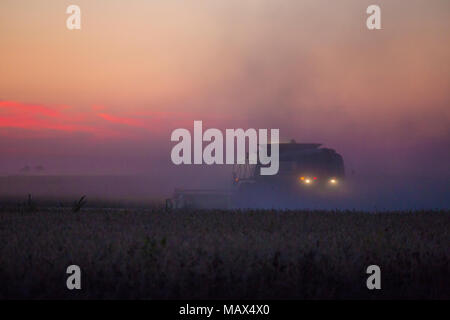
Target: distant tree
{"points": [[25, 169]]}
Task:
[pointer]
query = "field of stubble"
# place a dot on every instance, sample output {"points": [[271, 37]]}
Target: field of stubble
{"points": [[152, 254]]}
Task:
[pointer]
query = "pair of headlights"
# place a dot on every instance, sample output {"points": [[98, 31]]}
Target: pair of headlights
{"points": [[311, 180]]}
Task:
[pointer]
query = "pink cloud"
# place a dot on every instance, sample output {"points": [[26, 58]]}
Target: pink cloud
{"points": [[121, 120], [30, 108], [39, 117], [97, 121]]}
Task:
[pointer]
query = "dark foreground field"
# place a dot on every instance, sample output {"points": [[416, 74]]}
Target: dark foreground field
{"points": [[152, 254]]}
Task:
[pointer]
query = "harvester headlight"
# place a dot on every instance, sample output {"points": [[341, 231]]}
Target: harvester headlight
{"points": [[307, 180]]}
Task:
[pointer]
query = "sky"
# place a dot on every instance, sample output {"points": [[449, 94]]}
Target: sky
{"points": [[104, 99]]}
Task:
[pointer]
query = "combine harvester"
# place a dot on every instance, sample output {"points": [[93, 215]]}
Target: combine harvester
{"points": [[306, 171]]}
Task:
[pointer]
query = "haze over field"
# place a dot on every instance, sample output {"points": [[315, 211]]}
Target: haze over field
{"points": [[104, 100]]}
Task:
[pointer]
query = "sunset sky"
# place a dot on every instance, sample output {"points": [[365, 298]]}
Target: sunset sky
{"points": [[105, 98]]}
